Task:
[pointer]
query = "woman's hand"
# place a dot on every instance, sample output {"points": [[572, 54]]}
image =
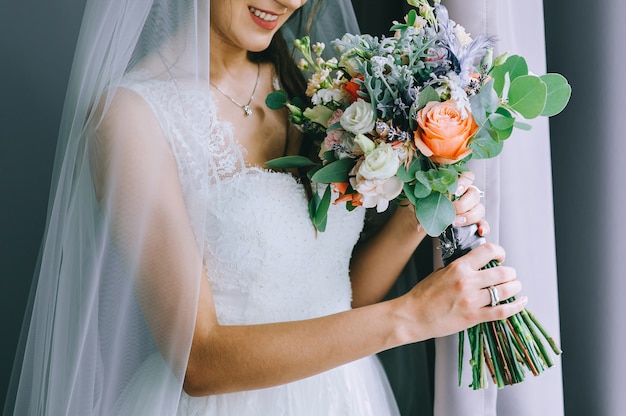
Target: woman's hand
{"points": [[469, 209], [457, 297]]}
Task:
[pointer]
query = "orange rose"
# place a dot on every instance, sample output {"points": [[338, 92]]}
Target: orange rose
{"points": [[443, 133]]}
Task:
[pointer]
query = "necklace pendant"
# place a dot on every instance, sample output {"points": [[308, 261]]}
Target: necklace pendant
{"points": [[247, 110]]}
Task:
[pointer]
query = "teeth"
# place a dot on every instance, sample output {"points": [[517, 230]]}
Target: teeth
{"points": [[262, 15]]}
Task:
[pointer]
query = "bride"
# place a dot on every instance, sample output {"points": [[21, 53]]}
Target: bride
{"points": [[179, 276]]}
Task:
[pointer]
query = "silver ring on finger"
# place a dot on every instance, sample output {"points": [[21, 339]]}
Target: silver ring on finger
{"points": [[480, 193], [493, 292]]}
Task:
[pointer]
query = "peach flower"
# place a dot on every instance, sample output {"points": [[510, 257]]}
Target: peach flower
{"points": [[444, 132], [333, 137]]}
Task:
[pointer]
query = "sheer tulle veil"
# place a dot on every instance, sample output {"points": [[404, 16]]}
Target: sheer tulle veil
{"points": [[116, 290]]}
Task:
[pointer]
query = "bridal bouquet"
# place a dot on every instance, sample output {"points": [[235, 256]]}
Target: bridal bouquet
{"points": [[397, 119]]}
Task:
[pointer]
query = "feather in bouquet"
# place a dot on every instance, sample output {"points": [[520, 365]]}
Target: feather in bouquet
{"points": [[397, 119]]}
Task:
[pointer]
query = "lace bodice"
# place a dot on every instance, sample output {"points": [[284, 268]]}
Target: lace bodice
{"points": [[264, 260]]}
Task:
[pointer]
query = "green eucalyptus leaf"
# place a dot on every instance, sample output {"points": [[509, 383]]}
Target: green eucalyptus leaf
{"points": [[409, 193], [501, 121], [420, 190], [423, 177], [484, 147], [460, 168], [438, 180], [499, 135], [442, 179], [425, 96], [559, 93], [515, 66], [488, 97], [527, 95], [276, 100], [287, 162], [501, 124], [408, 174], [334, 172], [522, 126], [453, 185], [435, 213]]}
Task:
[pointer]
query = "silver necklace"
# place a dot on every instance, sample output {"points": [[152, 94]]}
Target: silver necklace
{"points": [[245, 107]]}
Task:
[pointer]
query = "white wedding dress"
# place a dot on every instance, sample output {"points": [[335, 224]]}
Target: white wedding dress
{"points": [[264, 260]]}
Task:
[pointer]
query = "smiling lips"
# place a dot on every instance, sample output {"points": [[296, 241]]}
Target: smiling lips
{"points": [[263, 18]]}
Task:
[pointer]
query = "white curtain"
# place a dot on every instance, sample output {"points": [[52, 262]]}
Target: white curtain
{"points": [[518, 197]]}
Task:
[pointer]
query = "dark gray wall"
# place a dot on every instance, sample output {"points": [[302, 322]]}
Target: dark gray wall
{"points": [[585, 42], [36, 46]]}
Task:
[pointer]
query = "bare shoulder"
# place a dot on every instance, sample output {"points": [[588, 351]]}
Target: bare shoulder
{"points": [[126, 133], [125, 109], [124, 118]]}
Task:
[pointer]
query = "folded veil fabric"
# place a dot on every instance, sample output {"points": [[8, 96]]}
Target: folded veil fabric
{"points": [[102, 303], [117, 283]]}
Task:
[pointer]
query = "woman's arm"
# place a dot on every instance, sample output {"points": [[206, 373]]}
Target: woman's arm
{"points": [[137, 180], [232, 358], [378, 261]]}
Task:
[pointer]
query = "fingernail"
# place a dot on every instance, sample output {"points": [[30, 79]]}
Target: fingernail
{"points": [[460, 190], [460, 220], [524, 300]]}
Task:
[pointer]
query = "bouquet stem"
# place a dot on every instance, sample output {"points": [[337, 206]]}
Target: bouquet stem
{"points": [[505, 348]]}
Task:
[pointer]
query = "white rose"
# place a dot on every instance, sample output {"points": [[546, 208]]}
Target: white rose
{"points": [[325, 96], [376, 192], [318, 114], [359, 118], [380, 163]]}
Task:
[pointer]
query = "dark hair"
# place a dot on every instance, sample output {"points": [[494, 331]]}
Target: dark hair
{"points": [[291, 78]]}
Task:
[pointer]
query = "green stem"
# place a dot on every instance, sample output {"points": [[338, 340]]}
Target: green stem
{"points": [[545, 333], [502, 354], [517, 372], [489, 361], [496, 355], [529, 343], [542, 349], [507, 347], [521, 347], [482, 364], [473, 334]]}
